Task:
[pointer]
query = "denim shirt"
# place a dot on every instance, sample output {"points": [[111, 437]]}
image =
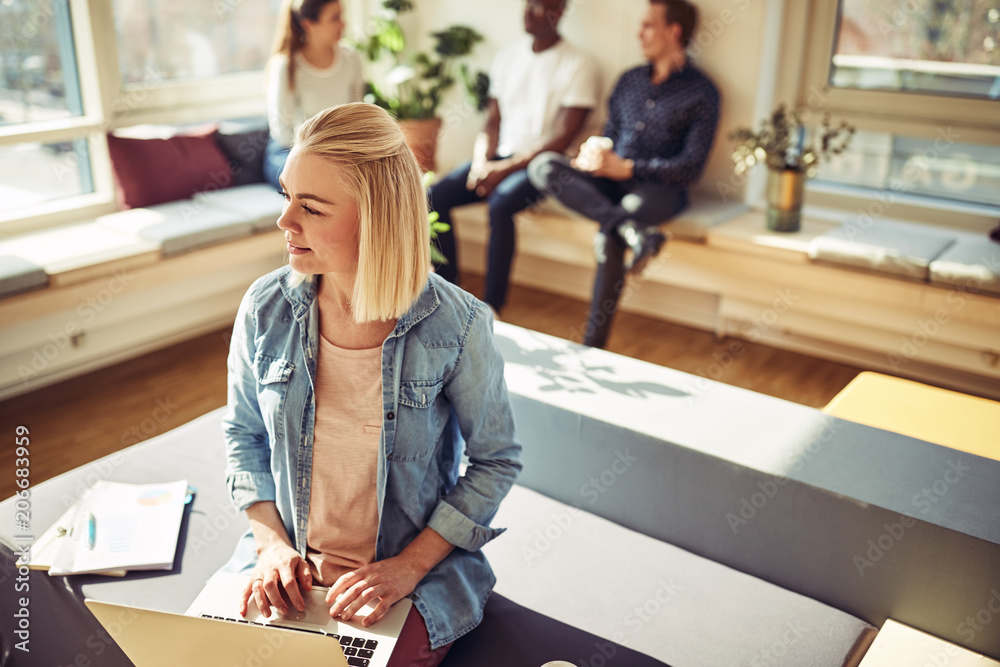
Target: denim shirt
{"points": [[442, 389]]}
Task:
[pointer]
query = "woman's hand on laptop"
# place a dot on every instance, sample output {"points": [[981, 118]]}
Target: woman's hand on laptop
{"points": [[279, 569], [386, 582], [379, 585]]}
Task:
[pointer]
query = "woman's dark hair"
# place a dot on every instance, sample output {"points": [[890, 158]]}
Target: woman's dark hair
{"points": [[681, 12], [291, 36]]}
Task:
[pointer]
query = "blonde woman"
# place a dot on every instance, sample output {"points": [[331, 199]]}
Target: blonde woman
{"points": [[308, 71], [355, 379]]}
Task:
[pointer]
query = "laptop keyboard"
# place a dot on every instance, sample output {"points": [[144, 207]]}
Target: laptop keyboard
{"points": [[357, 650]]}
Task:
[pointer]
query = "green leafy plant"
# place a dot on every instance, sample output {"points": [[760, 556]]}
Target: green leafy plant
{"points": [[411, 85], [781, 142], [437, 227]]}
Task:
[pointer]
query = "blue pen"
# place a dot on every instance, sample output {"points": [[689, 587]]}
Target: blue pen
{"points": [[91, 530]]}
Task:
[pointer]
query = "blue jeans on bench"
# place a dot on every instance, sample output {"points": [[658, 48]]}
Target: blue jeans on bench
{"points": [[274, 161], [513, 195], [610, 203]]}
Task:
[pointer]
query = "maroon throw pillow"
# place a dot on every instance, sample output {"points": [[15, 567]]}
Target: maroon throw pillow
{"points": [[153, 171]]}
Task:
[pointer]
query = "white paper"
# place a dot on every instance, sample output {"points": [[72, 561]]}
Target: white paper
{"points": [[136, 528]]}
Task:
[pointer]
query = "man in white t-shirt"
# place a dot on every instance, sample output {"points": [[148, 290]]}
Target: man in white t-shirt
{"points": [[541, 90]]}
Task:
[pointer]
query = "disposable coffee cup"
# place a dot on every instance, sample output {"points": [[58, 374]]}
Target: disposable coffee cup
{"points": [[599, 144]]}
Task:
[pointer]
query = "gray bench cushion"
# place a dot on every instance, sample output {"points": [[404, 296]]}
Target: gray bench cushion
{"points": [[693, 223], [703, 213], [970, 263], [656, 598], [19, 275], [182, 225], [259, 204], [882, 245]]}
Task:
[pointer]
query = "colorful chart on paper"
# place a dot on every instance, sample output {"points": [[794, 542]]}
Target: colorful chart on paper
{"points": [[155, 497]]}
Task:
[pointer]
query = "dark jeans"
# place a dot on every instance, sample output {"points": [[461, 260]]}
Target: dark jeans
{"points": [[274, 161], [610, 203], [514, 194]]}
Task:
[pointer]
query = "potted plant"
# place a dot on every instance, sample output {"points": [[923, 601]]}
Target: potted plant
{"points": [[437, 227], [781, 145], [411, 85]]}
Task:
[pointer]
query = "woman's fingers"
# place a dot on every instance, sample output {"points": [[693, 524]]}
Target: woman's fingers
{"points": [[290, 582], [362, 596], [304, 576], [282, 577], [341, 585], [343, 599], [260, 597], [245, 596], [381, 609], [272, 588]]}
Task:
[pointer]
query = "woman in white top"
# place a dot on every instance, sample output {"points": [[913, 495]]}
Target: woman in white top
{"points": [[308, 71]]}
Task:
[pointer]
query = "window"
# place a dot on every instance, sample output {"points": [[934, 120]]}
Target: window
{"points": [[38, 74], [35, 173], [943, 169], [922, 46], [39, 87], [920, 80], [72, 70], [191, 40]]}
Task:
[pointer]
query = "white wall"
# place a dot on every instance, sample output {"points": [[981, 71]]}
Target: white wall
{"points": [[728, 47]]}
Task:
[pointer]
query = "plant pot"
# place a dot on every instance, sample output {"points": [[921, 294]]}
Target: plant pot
{"points": [[421, 136], [784, 199]]}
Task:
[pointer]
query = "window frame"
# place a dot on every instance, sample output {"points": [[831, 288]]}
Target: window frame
{"points": [[808, 38], [923, 110], [88, 126], [108, 105]]}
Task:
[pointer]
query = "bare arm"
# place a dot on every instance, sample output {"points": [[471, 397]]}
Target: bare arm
{"points": [[279, 565], [265, 523], [489, 138], [485, 148], [568, 124]]}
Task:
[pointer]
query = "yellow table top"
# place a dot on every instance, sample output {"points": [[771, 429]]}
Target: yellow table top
{"points": [[898, 645], [966, 423]]}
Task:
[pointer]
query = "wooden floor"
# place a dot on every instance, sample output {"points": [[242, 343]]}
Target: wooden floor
{"points": [[79, 420]]}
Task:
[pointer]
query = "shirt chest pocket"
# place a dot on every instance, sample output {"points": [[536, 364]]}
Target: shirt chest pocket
{"points": [[422, 416], [272, 376]]}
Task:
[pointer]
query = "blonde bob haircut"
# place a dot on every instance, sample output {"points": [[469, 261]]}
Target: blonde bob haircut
{"points": [[367, 145]]}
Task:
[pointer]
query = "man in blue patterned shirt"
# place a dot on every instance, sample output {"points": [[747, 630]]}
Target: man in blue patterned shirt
{"points": [[662, 118]]}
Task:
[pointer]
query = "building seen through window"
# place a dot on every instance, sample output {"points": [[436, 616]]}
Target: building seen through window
{"points": [[39, 83], [947, 48]]}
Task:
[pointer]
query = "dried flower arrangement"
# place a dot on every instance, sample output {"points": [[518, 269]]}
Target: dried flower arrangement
{"points": [[781, 143]]}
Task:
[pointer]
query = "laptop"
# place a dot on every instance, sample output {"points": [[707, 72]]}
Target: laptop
{"points": [[213, 633]]}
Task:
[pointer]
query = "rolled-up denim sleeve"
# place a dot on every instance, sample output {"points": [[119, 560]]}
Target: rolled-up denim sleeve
{"points": [[248, 450], [478, 393]]}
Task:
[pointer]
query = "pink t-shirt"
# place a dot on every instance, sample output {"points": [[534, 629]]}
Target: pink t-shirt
{"points": [[343, 508]]}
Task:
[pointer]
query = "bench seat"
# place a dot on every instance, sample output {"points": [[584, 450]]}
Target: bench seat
{"points": [[259, 204], [656, 598], [693, 223], [181, 226], [19, 275], [972, 264], [884, 246]]}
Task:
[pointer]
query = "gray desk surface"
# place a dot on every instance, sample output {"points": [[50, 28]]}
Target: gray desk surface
{"points": [[821, 506]]}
